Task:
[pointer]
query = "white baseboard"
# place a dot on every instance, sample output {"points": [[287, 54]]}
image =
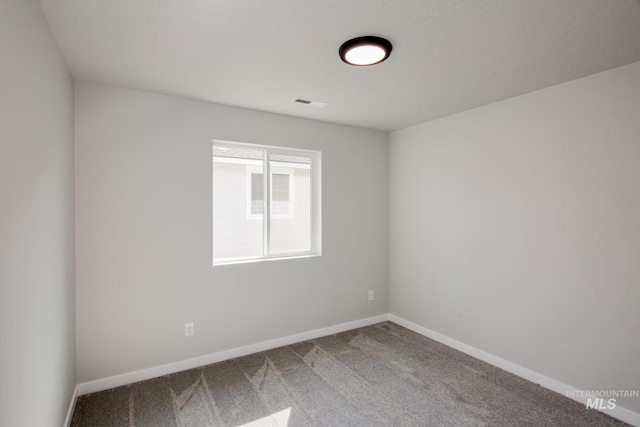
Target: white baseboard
{"points": [[618, 412], [170, 368], [72, 407]]}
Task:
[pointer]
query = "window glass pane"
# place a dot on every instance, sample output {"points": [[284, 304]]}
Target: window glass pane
{"points": [[290, 221], [237, 183]]}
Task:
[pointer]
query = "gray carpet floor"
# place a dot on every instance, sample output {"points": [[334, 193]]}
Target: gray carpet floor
{"points": [[380, 375]]}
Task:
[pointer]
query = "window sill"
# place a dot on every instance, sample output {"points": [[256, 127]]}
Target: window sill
{"points": [[254, 260]]}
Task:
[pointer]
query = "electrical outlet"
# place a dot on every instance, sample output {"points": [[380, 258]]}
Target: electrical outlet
{"points": [[188, 329], [372, 295]]}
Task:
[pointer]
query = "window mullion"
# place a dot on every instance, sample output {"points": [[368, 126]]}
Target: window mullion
{"points": [[312, 186], [266, 215]]}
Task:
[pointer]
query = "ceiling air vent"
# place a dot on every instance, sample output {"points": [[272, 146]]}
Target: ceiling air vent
{"points": [[317, 104]]}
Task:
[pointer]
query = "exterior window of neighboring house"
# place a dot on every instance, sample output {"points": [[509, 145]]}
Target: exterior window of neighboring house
{"points": [[241, 195], [281, 193], [256, 204]]}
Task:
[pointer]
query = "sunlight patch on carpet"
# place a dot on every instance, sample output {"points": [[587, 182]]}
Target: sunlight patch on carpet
{"points": [[277, 419]]}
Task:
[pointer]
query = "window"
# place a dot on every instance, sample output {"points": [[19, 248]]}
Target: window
{"points": [[241, 230]]}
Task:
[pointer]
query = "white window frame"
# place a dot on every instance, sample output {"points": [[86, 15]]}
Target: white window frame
{"points": [[316, 199]]}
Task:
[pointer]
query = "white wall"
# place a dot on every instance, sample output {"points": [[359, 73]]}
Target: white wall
{"points": [[144, 220], [515, 228], [37, 331]]}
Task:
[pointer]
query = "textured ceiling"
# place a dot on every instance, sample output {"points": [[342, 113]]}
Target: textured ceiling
{"points": [[448, 55]]}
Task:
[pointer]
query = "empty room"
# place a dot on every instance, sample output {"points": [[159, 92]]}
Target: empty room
{"points": [[319, 213]]}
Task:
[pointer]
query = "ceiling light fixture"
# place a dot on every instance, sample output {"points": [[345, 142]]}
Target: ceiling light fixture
{"points": [[367, 50]]}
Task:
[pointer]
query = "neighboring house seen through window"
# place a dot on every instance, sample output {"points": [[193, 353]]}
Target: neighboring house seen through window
{"points": [[241, 231]]}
